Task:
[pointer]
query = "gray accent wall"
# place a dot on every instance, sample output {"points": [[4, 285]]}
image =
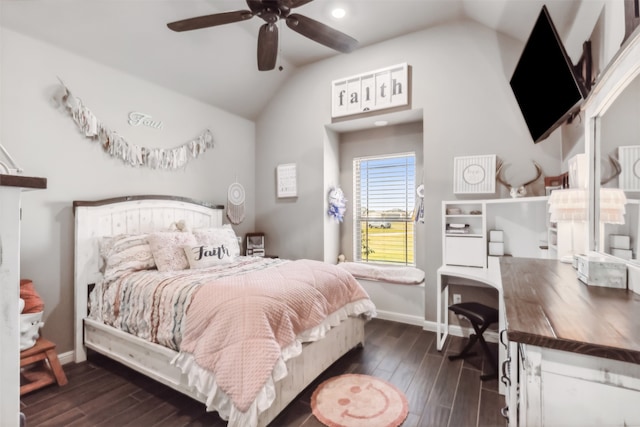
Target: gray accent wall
{"points": [[45, 142], [460, 81]]}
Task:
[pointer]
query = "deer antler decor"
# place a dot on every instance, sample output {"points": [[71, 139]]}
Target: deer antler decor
{"points": [[617, 170], [520, 191]]}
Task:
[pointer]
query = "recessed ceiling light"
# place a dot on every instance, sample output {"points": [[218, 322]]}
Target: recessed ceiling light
{"points": [[381, 123], [338, 12]]}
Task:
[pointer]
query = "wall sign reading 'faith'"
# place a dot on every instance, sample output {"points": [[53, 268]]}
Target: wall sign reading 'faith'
{"points": [[375, 90]]}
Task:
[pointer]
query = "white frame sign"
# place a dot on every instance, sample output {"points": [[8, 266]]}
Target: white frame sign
{"points": [[375, 90], [474, 174], [286, 180]]}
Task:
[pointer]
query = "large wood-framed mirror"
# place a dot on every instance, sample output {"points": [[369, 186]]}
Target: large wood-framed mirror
{"points": [[612, 129]]}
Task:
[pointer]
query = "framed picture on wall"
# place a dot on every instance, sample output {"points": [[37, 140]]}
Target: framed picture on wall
{"points": [[286, 180], [474, 174]]}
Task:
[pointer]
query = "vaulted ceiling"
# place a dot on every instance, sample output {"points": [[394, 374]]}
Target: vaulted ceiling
{"points": [[217, 65]]}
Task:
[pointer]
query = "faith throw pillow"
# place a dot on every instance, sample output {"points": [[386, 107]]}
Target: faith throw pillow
{"points": [[203, 256]]}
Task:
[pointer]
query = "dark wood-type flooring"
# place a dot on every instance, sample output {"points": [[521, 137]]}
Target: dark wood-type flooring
{"points": [[440, 392]]}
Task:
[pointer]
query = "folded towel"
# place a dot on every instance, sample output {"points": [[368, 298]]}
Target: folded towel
{"points": [[32, 301]]}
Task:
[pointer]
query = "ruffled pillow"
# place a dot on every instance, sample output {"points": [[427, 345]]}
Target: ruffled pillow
{"points": [[202, 256], [166, 247], [124, 253], [220, 236]]}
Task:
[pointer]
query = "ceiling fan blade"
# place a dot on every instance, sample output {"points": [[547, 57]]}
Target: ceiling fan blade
{"points": [[295, 3], [267, 47], [321, 33], [210, 20]]}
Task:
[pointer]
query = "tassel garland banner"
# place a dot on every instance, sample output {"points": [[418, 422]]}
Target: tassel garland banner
{"points": [[132, 154]]}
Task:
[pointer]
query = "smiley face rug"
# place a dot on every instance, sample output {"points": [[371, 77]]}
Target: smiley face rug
{"points": [[354, 400]]}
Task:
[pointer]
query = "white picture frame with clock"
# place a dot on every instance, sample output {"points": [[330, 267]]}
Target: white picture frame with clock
{"points": [[286, 180], [474, 174]]}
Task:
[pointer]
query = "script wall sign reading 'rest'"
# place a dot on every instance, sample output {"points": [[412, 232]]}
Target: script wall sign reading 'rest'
{"points": [[375, 90]]}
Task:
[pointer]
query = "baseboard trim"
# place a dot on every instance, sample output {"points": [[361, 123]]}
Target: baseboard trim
{"points": [[400, 317], [66, 357], [459, 331]]}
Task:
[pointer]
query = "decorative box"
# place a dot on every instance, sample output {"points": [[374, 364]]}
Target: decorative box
{"points": [[496, 236], [496, 248], [622, 253], [597, 269]]}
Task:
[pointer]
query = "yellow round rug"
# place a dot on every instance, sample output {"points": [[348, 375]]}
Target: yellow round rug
{"points": [[354, 400]]}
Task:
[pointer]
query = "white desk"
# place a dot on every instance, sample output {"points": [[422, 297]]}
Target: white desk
{"points": [[489, 276]]}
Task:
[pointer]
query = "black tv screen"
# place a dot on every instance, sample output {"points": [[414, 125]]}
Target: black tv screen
{"points": [[545, 83]]}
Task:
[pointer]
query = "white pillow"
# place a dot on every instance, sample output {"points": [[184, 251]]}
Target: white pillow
{"points": [[166, 247], [124, 253], [218, 236], [201, 256]]}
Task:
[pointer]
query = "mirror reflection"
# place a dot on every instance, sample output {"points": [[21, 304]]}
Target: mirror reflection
{"points": [[619, 160]]}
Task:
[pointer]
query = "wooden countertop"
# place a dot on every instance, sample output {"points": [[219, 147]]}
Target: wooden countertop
{"points": [[547, 306]]}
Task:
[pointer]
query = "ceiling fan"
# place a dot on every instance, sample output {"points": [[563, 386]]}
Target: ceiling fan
{"points": [[271, 11]]}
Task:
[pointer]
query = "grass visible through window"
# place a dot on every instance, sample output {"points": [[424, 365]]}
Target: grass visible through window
{"points": [[387, 241]]}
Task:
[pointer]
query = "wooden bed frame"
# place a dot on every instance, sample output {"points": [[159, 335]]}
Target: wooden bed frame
{"points": [[142, 214]]}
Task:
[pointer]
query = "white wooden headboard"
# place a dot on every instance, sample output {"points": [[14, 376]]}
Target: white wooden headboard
{"points": [[124, 215]]}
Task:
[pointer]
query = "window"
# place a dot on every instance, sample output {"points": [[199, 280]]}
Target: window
{"points": [[384, 189]]}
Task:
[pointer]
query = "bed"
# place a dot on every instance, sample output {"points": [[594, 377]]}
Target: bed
{"points": [[312, 351]]}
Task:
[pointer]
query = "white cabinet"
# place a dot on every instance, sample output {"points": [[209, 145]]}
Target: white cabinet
{"points": [[465, 250], [523, 222], [464, 234], [508, 375], [560, 388], [11, 187]]}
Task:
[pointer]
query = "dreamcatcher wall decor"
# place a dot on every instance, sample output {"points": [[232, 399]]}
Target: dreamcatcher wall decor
{"points": [[132, 154], [235, 203]]}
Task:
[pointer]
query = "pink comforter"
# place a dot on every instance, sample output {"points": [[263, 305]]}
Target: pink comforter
{"points": [[237, 326]]}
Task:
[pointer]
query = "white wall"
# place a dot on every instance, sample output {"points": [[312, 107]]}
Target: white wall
{"points": [[45, 142], [460, 79]]}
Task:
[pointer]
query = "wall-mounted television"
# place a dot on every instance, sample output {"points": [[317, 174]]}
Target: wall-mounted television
{"points": [[546, 85]]}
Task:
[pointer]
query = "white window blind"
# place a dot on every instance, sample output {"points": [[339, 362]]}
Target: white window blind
{"points": [[384, 188]]}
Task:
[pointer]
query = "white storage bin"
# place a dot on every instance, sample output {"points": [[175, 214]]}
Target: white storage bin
{"points": [[496, 236], [30, 325], [622, 253], [620, 241], [496, 248]]}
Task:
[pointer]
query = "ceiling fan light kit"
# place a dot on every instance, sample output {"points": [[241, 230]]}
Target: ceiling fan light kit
{"points": [[271, 11]]}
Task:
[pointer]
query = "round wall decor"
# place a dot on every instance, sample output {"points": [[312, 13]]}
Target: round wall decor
{"points": [[235, 203]]}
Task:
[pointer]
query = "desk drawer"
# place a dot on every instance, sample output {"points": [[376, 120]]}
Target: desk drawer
{"points": [[465, 250]]}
